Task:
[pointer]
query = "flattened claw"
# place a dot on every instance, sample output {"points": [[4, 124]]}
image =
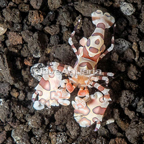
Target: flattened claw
{"points": [[64, 102], [80, 102], [38, 106]]}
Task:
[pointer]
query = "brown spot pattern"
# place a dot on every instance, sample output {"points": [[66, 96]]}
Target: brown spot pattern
{"points": [[88, 43], [60, 67], [99, 110], [86, 64], [45, 84], [98, 34], [86, 55], [101, 25], [97, 42], [93, 50]]}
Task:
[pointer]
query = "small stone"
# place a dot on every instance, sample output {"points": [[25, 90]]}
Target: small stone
{"points": [[17, 1], [21, 96], [101, 140], [52, 30], [73, 128], [20, 136], [24, 51], [14, 93], [118, 141], [141, 43], [135, 131], [36, 42], [3, 3], [140, 62], [54, 4], [127, 8], [34, 121], [3, 29], [130, 85], [121, 45], [5, 69], [129, 55], [133, 73], [35, 17], [2, 136], [36, 4], [14, 38], [114, 56], [86, 8], [140, 106], [54, 39], [23, 7], [12, 15], [63, 52], [64, 18], [126, 98], [130, 114], [4, 88], [121, 66]]}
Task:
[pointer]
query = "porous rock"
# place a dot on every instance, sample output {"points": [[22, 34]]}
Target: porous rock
{"points": [[5, 69], [3, 3], [141, 43], [127, 8], [121, 45], [61, 116], [3, 28], [34, 121], [36, 42], [36, 4], [63, 52], [126, 98], [52, 30], [54, 4], [86, 8], [73, 128], [135, 131], [23, 7], [64, 18], [12, 15], [118, 141], [140, 106], [133, 72], [4, 88], [20, 136], [2, 136], [5, 112], [14, 38], [35, 17]]}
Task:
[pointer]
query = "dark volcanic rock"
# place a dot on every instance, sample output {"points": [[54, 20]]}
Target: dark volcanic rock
{"points": [[5, 69], [14, 38], [23, 7], [36, 4], [4, 88], [20, 136], [54, 4], [126, 98], [63, 52], [36, 42], [135, 131], [35, 17], [133, 72], [12, 15]]}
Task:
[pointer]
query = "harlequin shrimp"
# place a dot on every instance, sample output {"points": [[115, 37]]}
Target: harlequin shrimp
{"points": [[89, 109], [48, 91]]}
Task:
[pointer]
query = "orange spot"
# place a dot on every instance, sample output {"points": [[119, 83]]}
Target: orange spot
{"points": [[83, 92], [101, 88], [70, 87]]}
